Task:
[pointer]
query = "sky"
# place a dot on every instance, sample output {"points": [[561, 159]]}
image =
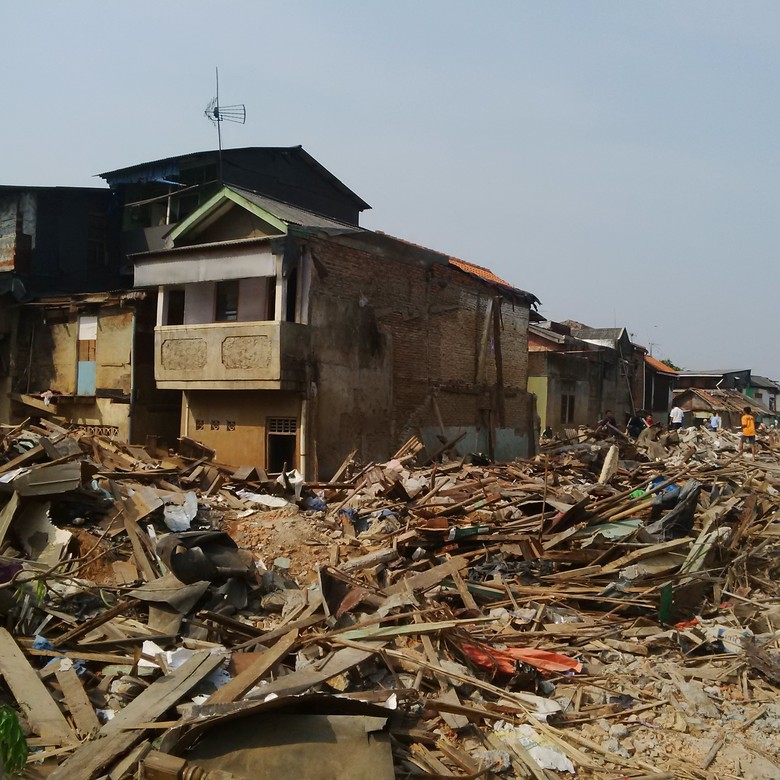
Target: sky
{"points": [[618, 160]]}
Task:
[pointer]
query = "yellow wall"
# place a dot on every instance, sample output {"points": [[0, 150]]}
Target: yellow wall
{"points": [[538, 386], [245, 445]]}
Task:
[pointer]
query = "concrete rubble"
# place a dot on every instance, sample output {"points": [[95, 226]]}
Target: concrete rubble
{"points": [[609, 609]]}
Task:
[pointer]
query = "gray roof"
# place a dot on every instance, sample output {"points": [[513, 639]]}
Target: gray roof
{"points": [[762, 381], [713, 371], [603, 334], [288, 213]]}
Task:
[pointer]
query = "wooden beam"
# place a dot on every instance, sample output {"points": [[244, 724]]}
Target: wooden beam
{"points": [[39, 708]]}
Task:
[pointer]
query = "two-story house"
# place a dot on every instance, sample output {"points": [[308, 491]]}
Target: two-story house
{"points": [[295, 336]]}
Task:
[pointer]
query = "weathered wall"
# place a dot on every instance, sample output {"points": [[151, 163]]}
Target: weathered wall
{"points": [[48, 336], [598, 382], [233, 422], [392, 341]]}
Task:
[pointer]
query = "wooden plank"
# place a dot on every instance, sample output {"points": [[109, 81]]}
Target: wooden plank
{"points": [[98, 620], [644, 552], [78, 702], [467, 598], [427, 579], [7, 515], [23, 459], [118, 735], [141, 560], [39, 708], [242, 682]]}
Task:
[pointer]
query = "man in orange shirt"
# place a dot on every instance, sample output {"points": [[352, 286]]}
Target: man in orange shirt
{"points": [[748, 431]]}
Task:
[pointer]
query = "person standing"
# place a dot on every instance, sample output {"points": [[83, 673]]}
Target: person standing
{"points": [[676, 417], [715, 422], [748, 436]]}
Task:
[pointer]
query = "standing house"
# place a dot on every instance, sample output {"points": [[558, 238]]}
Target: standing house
{"points": [[628, 392], [714, 379], [569, 377], [699, 404], [295, 337], [577, 372], [764, 390], [70, 333]]}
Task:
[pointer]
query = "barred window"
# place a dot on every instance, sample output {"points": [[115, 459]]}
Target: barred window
{"points": [[288, 425]]}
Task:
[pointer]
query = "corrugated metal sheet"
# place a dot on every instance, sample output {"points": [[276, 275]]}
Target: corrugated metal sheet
{"points": [[289, 213]]}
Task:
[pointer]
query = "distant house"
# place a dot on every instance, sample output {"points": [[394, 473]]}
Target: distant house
{"points": [[714, 379], [763, 389], [699, 405], [568, 376], [577, 373]]}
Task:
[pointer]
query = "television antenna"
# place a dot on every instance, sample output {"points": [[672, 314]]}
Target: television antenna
{"points": [[218, 114]]}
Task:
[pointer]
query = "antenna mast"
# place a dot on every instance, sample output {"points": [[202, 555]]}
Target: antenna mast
{"points": [[218, 114]]}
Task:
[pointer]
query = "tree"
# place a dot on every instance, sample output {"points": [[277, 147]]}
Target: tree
{"points": [[669, 363]]}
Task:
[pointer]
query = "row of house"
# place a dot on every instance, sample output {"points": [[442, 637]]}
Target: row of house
{"points": [[251, 312], [234, 299]]}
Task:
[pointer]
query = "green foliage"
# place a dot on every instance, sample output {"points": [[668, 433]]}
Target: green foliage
{"points": [[38, 588], [13, 745], [669, 363]]}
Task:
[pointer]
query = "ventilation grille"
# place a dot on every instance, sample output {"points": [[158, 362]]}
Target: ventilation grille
{"points": [[286, 425]]}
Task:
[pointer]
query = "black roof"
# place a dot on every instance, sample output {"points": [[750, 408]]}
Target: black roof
{"points": [[140, 171]]}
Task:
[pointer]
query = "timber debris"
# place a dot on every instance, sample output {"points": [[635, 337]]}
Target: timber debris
{"points": [[608, 609]]}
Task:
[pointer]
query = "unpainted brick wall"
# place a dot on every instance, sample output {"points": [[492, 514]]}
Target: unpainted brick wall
{"points": [[388, 337]]}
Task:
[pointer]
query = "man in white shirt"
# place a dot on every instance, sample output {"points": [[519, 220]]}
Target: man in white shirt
{"points": [[676, 418], [715, 422]]}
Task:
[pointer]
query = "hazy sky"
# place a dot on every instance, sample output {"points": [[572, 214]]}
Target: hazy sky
{"points": [[617, 159]]}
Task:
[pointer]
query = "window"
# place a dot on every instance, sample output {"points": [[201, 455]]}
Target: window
{"points": [[281, 439], [175, 314], [568, 389], [87, 349], [227, 301]]}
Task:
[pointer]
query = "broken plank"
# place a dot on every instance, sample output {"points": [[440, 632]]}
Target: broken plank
{"points": [[141, 559], [427, 579], [242, 682], [39, 708], [7, 515], [98, 620], [77, 702], [117, 736]]}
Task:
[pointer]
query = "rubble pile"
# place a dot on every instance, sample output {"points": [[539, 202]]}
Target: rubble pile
{"points": [[608, 609]]}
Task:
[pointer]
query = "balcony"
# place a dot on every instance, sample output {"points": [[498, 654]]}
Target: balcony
{"points": [[231, 356]]}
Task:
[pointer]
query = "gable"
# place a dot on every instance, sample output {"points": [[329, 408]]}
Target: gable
{"points": [[226, 216]]}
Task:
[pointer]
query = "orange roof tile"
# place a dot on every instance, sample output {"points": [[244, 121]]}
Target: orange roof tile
{"points": [[658, 365], [478, 271]]}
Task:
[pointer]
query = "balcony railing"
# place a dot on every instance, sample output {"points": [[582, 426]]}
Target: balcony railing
{"points": [[231, 355]]}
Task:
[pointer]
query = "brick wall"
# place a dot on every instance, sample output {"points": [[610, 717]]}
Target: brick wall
{"points": [[392, 341]]}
